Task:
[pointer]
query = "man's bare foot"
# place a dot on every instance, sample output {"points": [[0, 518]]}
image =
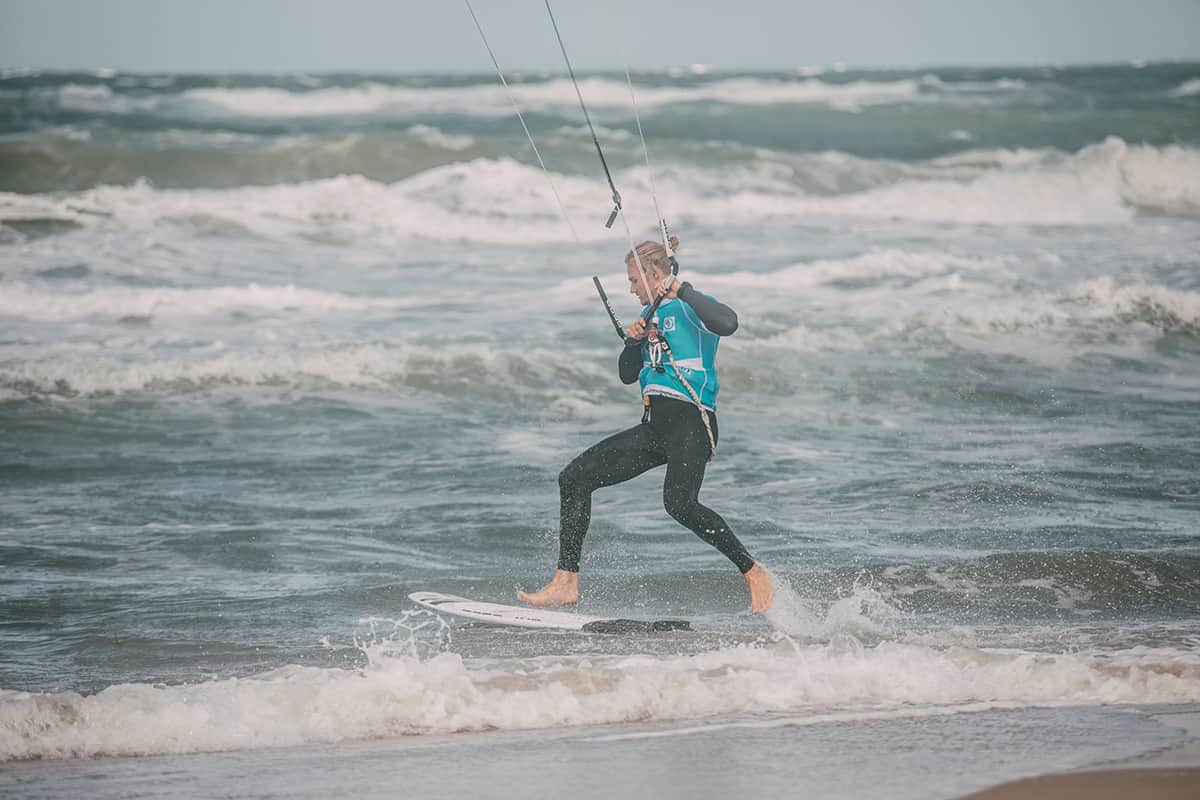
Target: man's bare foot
{"points": [[762, 592], [563, 590]]}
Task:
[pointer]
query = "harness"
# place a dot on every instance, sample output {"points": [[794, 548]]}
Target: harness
{"points": [[657, 347]]}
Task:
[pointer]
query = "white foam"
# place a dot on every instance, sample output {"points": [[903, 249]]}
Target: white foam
{"points": [[270, 102], [1045, 329], [1101, 184], [489, 201], [26, 302], [998, 85], [485, 99], [997, 157], [1165, 179], [1087, 190], [100, 99], [365, 368], [863, 612], [872, 265], [401, 695], [439, 138], [370, 367], [822, 718], [1189, 88], [532, 446], [1159, 306]]}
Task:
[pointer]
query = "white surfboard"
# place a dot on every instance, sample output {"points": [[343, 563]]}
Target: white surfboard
{"points": [[531, 617]]}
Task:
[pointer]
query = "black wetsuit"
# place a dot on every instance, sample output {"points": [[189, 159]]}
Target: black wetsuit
{"points": [[672, 434]]}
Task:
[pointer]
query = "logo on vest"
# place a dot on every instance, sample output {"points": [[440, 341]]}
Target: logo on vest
{"points": [[668, 324]]}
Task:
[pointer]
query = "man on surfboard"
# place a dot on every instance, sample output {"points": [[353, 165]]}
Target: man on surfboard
{"points": [[672, 356]]}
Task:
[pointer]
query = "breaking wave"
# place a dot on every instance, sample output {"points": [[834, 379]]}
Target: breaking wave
{"points": [[490, 99], [500, 201], [458, 371], [406, 696]]}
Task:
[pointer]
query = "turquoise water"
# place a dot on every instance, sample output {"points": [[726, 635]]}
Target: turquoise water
{"points": [[277, 350]]}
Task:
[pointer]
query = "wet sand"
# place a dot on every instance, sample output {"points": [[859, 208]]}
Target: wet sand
{"points": [[1171, 774], [1162, 783]]}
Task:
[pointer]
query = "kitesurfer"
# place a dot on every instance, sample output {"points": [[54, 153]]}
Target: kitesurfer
{"points": [[672, 355]]}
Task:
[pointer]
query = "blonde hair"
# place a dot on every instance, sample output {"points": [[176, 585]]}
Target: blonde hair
{"points": [[653, 254]]}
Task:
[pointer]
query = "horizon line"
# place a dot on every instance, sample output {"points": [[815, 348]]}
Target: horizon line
{"points": [[837, 67]]}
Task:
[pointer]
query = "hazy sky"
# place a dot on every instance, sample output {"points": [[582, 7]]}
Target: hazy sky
{"points": [[436, 35]]}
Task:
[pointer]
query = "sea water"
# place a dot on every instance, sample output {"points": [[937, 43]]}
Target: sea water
{"points": [[277, 350]]}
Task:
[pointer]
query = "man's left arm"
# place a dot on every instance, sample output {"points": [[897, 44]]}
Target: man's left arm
{"points": [[716, 316]]}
